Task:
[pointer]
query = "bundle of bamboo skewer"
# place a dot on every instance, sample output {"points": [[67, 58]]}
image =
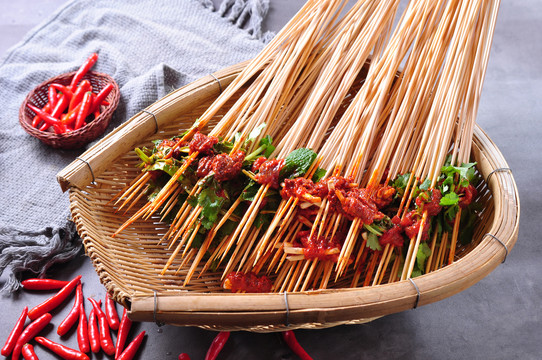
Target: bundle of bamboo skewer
{"points": [[333, 88]]}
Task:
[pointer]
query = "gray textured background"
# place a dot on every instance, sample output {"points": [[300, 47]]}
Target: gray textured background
{"points": [[498, 318]]}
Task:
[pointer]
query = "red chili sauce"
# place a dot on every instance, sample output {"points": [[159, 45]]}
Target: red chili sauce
{"points": [[269, 172], [224, 166], [429, 201], [316, 247], [466, 195], [250, 283], [411, 223], [202, 143]]}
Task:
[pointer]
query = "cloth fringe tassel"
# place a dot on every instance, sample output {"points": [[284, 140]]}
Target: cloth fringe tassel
{"points": [[245, 14], [35, 251]]}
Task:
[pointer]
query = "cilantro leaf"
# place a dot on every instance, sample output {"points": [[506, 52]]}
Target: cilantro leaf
{"points": [[400, 184], [166, 166], [223, 147], [265, 149], [425, 185], [449, 199], [463, 170], [192, 201], [297, 163], [267, 141], [423, 253], [226, 229], [401, 181], [249, 192], [254, 134], [372, 242], [211, 204], [142, 156]]}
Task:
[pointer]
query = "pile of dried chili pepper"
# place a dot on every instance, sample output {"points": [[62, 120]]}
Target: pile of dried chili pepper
{"points": [[93, 334], [71, 107]]}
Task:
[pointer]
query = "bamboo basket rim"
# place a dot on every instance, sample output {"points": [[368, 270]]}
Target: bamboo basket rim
{"points": [[279, 311]]}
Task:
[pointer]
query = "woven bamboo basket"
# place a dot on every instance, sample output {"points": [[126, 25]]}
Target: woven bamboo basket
{"points": [[129, 264], [77, 138]]}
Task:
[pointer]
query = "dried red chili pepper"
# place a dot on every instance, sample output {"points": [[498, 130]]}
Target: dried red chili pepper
{"points": [[131, 349], [84, 111], [122, 335], [111, 313], [43, 284], [29, 333], [73, 315], [87, 65], [82, 331], [105, 334], [15, 333], [93, 332], [28, 352], [217, 345], [184, 356], [61, 350], [54, 300], [56, 123], [78, 94], [291, 341]]}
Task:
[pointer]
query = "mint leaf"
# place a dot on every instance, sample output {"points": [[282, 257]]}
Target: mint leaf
{"points": [[318, 175], [297, 163]]}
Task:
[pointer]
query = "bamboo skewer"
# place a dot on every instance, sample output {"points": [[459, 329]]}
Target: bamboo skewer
{"points": [[299, 87]]}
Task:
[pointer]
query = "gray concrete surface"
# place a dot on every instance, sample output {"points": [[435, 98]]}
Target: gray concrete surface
{"points": [[497, 318]]}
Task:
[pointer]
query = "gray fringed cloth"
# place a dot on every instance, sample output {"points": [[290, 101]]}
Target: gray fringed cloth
{"points": [[150, 48]]}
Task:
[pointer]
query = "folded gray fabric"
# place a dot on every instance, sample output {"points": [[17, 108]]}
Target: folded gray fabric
{"points": [[150, 48]]}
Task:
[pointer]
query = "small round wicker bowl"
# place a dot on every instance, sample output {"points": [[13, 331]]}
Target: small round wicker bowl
{"points": [[77, 138]]}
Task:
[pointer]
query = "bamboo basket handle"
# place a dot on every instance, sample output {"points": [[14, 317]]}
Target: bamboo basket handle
{"points": [[89, 165]]}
